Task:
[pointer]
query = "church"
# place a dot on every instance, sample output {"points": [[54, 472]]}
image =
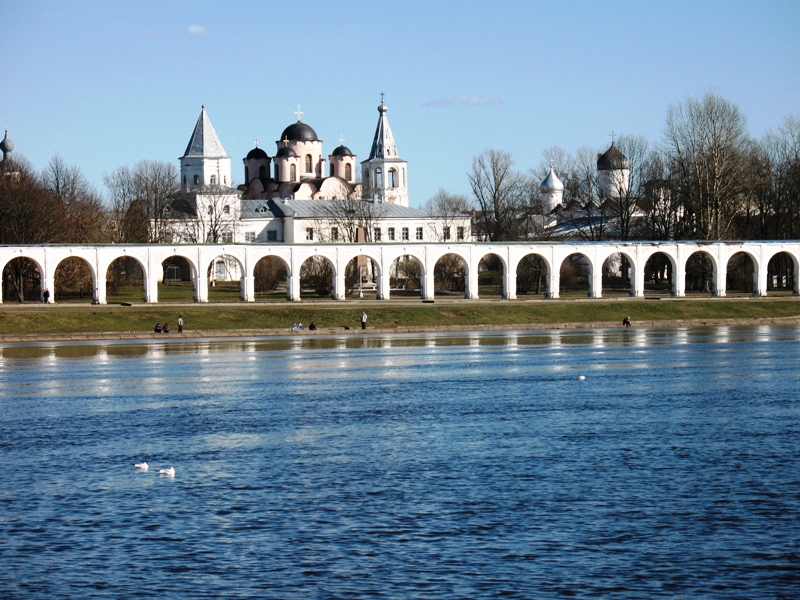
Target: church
{"points": [[294, 197]]}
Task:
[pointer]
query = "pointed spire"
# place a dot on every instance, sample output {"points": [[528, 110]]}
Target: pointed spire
{"points": [[204, 141], [383, 145]]}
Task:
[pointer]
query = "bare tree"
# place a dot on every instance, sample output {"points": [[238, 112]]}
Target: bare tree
{"points": [[348, 220], [503, 195], [706, 142], [84, 217], [210, 214], [450, 211]]}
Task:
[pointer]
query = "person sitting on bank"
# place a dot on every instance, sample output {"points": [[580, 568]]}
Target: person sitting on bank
{"points": [[626, 322], [158, 328], [165, 329], [312, 327]]}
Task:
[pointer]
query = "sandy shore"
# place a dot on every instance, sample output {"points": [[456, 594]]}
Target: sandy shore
{"points": [[248, 333]]}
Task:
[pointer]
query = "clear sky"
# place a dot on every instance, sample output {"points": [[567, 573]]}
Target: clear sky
{"points": [[107, 83]]}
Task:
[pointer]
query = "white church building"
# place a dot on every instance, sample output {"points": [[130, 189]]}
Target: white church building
{"points": [[294, 197]]}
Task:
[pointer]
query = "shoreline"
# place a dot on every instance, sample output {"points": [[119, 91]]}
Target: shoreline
{"points": [[338, 331]]}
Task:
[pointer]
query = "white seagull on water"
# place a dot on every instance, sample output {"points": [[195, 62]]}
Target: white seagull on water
{"points": [[143, 466], [170, 472]]}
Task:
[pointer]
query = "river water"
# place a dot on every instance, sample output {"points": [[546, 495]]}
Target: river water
{"points": [[596, 463]]}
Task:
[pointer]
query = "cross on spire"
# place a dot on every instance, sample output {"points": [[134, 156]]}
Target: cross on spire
{"points": [[613, 135], [382, 95], [256, 142], [298, 112]]}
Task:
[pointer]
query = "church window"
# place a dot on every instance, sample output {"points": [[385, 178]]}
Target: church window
{"points": [[246, 174], [335, 234], [378, 178], [405, 234], [227, 209], [196, 179], [445, 233], [377, 234], [331, 170], [419, 234], [404, 178], [392, 178], [460, 233], [348, 172], [262, 172], [224, 180], [309, 234], [210, 210], [390, 233], [308, 163], [249, 236], [184, 180], [292, 172], [227, 237], [272, 236], [213, 179]]}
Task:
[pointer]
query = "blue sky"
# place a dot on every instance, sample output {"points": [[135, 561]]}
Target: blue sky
{"points": [[107, 83]]}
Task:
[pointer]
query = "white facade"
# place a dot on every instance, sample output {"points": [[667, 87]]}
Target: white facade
{"points": [[201, 257]]}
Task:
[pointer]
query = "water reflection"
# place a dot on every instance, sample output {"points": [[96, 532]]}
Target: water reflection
{"points": [[557, 340]]}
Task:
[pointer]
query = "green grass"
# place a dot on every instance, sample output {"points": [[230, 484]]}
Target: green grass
{"points": [[76, 318]]}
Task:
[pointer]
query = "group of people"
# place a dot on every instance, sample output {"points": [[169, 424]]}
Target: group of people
{"points": [[159, 328], [313, 326]]}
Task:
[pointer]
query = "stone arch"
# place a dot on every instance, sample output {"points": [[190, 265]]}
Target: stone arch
{"points": [[491, 275], [74, 279], [270, 277], [179, 279], [533, 275], [575, 275], [224, 275], [317, 276], [125, 276], [450, 274], [22, 279], [782, 273], [701, 273], [618, 274], [407, 276], [659, 274], [361, 276], [741, 273]]}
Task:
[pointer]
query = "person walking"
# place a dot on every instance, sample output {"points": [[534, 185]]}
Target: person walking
{"points": [[363, 320], [180, 323]]}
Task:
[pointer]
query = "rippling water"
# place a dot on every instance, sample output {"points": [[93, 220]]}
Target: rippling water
{"points": [[420, 466]]}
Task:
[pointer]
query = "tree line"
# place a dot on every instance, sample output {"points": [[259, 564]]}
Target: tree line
{"points": [[706, 179]]}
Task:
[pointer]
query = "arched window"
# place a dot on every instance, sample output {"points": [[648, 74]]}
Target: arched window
{"points": [[246, 175], [196, 179], [213, 179], [348, 172], [331, 170], [184, 180], [392, 178], [262, 172], [292, 173], [308, 163], [378, 178]]}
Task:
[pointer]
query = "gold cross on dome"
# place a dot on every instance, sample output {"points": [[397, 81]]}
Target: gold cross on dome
{"points": [[299, 112], [256, 142], [341, 139]]}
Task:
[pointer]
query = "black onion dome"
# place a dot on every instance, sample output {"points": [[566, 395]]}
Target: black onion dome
{"points": [[256, 154], [6, 145], [612, 160], [286, 152], [299, 132], [342, 151]]}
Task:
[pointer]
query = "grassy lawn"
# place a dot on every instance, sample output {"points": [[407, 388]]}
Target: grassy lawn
{"points": [[74, 318]]}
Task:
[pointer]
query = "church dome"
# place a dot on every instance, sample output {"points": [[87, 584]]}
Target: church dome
{"points": [[342, 151], [299, 132], [286, 152], [551, 183], [256, 154], [612, 160], [6, 145]]}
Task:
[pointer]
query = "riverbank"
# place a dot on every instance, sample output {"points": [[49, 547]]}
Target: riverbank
{"points": [[73, 322]]}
